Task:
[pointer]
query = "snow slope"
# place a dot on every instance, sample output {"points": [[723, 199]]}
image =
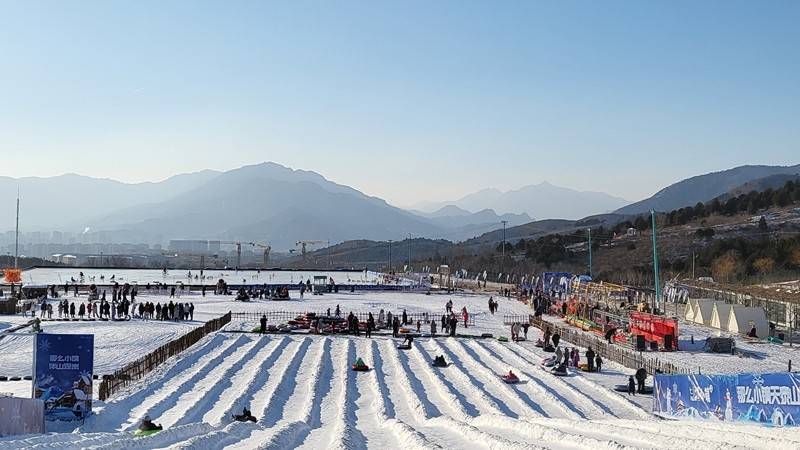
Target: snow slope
{"points": [[305, 396]]}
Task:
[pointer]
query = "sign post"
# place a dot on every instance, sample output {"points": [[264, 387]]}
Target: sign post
{"points": [[63, 365]]}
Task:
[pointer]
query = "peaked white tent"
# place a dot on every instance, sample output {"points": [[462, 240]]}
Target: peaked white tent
{"points": [[704, 307], [688, 311], [720, 315], [743, 318]]}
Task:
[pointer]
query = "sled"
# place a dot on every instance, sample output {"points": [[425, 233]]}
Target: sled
{"points": [[549, 349], [559, 373], [363, 368], [549, 362], [241, 418], [487, 335], [142, 433], [510, 380], [404, 347], [502, 339]]}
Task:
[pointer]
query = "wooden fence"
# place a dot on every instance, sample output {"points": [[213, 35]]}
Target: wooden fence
{"points": [[137, 369], [613, 352]]}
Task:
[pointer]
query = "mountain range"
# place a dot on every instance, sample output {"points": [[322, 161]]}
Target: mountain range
{"points": [[542, 200], [264, 202], [272, 203]]}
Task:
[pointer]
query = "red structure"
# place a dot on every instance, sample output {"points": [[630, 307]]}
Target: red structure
{"points": [[663, 330]]}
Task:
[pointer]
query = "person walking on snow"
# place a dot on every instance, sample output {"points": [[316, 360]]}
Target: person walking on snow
{"points": [[370, 325], [465, 315], [263, 324]]}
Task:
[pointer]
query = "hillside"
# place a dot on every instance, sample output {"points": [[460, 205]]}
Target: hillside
{"points": [[703, 188]]}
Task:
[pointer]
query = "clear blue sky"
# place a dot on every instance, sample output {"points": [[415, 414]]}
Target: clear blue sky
{"points": [[403, 100]]}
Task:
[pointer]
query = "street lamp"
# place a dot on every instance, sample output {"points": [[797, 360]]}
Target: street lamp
{"points": [[503, 257]]}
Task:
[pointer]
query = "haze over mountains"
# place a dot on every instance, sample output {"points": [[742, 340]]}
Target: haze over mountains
{"points": [[542, 200], [271, 203]]}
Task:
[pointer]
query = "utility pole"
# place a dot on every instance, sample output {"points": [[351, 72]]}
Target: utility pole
{"points": [[409, 252], [390, 256], [16, 237], [589, 231], [329, 253], [693, 278], [503, 257], [655, 258]]}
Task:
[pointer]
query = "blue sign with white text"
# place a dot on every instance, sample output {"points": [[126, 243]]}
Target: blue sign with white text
{"points": [[769, 398], [62, 374]]}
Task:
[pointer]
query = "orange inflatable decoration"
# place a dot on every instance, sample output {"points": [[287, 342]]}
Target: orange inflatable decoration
{"points": [[13, 275]]}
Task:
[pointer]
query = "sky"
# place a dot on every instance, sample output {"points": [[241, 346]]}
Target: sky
{"points": [[408, 101]]}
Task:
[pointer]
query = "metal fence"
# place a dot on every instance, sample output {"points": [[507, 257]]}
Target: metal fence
{"points": [[137, 369], [613, 352], [274, 317], [510, 319]]}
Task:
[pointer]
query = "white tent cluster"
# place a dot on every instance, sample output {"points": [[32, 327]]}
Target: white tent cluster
{"points": [[726, 317]]}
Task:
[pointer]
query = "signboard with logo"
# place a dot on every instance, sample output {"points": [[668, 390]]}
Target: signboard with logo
{"points": [[771, 399], [62, 374]]}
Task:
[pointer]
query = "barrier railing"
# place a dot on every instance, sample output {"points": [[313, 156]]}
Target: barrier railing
{"points": [[613, 352], [137, 369]]}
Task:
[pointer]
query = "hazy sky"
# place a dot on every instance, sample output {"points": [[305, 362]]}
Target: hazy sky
{"points": [[404, 100]]}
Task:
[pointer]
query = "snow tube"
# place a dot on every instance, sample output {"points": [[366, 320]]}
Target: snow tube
{"points": [[559, 373], [539, 344], [502, 339], [439, 362], [243, 418], [142, 433], [364, 368], [404, 347], [549, 362], [510, 379], [549, 349]]}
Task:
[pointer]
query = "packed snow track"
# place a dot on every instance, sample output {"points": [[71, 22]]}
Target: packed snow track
{"points": [[304, 395]]}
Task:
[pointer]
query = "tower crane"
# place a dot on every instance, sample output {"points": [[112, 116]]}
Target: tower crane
{"points": [[303, 244], [267, 248]]}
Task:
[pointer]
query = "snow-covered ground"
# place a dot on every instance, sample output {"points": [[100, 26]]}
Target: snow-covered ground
{"points": [[302, 391]]}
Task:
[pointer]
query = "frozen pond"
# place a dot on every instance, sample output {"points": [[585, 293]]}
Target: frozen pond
{"points": [[61, 275]]}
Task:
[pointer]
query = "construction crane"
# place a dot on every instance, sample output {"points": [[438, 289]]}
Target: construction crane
{"points": [[267, 248], [303, 244]]}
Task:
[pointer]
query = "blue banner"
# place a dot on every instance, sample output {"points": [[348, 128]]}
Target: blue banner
{"points": [[62, 374], [771, 399]]}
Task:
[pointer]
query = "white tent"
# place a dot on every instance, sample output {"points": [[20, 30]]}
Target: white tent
{"points": [[688, 311], [742, 319], [720, 315], [702, 311]]}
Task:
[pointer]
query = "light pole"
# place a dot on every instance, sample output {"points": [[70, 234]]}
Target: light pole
{"points": [[409, 252], [390, 256], [503, 256], [590, 251], [655, 258]]}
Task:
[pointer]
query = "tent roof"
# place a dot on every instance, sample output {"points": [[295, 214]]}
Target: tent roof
{"points": [[721, 315]]}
